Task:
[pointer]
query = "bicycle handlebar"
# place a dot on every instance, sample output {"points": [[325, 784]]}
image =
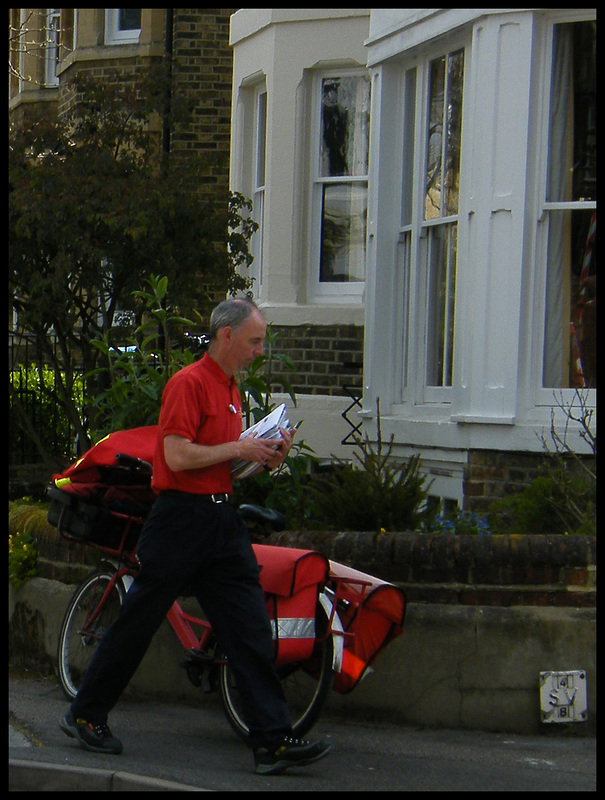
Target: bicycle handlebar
{"points": [[134, 463]]}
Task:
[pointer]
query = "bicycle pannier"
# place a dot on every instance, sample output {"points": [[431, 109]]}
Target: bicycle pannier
{"points": [[92, 498], [291, 579], [91, 519], [374, 611]]}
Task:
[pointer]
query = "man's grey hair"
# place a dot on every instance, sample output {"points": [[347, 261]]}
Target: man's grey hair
{"points": [[231, 313]]}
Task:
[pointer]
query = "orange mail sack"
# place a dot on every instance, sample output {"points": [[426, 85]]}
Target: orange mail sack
{"points": [[371, 609], [291, 579]]}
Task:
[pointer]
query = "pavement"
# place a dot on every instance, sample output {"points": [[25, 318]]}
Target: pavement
{"points": [[171, 747]]}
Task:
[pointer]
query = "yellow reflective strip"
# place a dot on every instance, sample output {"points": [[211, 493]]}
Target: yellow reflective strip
{"points": [[62, 482]]}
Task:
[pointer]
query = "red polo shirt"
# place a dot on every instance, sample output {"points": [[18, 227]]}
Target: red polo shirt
{"points": [[204, 406]]}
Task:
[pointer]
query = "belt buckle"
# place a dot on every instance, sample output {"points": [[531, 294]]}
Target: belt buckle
{"points": [[219, 498]]}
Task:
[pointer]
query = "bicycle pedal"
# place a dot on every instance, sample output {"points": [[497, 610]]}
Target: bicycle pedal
{"points": [[197, 657], [194, 673]]}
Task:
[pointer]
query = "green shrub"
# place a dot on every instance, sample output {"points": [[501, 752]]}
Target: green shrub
{"points": [[286, 489], [33, 393], [22, 559], [380, 492], [137, 371], [547, 505]]}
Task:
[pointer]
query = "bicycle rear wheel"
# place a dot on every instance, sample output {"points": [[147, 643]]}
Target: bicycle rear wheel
{"points": [[83, 627], [306, 685]]}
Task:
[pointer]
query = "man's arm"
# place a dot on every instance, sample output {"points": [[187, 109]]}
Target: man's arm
{"points": [[180, 453]]}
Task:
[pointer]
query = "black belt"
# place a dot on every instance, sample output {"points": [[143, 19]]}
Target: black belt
{"points": [[217, 497]]}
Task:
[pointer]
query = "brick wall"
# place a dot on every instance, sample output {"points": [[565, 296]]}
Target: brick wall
{"points": [[545, 570], [327, 357], [203, 67], [490, 475]]}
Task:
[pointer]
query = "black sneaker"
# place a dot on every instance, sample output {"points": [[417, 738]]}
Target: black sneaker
{"points": [[97, 738], [288, 753]]}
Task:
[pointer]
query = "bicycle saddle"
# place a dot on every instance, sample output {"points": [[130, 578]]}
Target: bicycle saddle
{"points": [[262, 516]]}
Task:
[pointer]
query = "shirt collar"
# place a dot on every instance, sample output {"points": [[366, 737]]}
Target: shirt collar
{"points": [[216, 371]]}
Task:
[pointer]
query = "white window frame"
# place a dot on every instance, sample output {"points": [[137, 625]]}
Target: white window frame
{"points": [[415, 232], [550, 396], [51, 46], [113, 34], [318, 291]]}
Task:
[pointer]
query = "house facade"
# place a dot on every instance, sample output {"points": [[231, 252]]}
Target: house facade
{"points": [[424, 182], [428, 176]]}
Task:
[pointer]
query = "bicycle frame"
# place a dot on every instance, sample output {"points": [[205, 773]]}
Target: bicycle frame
{"points": [[181, 623]]}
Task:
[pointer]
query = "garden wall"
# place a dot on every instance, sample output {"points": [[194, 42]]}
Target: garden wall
{"points": [[485, 616], [545, 570]]}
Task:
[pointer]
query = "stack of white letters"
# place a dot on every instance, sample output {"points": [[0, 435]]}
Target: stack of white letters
{"points": [[267, 428]]}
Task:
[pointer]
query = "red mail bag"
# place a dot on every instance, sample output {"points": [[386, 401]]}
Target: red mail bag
{"points": [[372, 610], [291, 580], [98, 501]]}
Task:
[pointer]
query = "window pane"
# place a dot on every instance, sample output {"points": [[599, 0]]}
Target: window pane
{"points": [[453, 122], [258, 199], [261, 138], [129, 19], [52, 33], [441, 243], [409, 128], [432, 203], [443, 135], [343, 232], [345, 116], [573, 123], [570, 338]]}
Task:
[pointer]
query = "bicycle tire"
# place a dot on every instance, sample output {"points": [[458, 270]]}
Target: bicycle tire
{"points": [[77, 642], [306, 685]]}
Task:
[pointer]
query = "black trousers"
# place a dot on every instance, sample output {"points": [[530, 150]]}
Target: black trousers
{"points": [[192, 542]]}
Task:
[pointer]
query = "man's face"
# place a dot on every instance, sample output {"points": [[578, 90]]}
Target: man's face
{"points": [[246, 342]]}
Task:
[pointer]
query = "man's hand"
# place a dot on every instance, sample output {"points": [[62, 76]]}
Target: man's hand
{"points": [[182, 454]]}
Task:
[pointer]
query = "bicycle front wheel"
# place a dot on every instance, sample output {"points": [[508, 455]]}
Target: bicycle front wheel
{"points": [[306, 684], [87, 618]]}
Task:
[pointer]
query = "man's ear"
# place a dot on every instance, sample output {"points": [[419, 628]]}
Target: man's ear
{"points": [[225, 334]]}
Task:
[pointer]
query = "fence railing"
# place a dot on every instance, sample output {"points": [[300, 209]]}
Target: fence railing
{"points": [[33, 404]]}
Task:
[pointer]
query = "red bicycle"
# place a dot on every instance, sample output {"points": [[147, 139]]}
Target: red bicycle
{"points": [[330, 622]]}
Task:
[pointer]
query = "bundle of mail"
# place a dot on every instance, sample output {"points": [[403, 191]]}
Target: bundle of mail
{"points": [[267, 428]]}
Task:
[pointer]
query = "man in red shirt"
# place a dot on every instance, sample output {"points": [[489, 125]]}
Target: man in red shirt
{"points": [[195, 538]]}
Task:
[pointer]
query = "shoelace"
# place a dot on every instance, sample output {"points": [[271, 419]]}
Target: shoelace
{"points": [[290, 741], [100, 730]]}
